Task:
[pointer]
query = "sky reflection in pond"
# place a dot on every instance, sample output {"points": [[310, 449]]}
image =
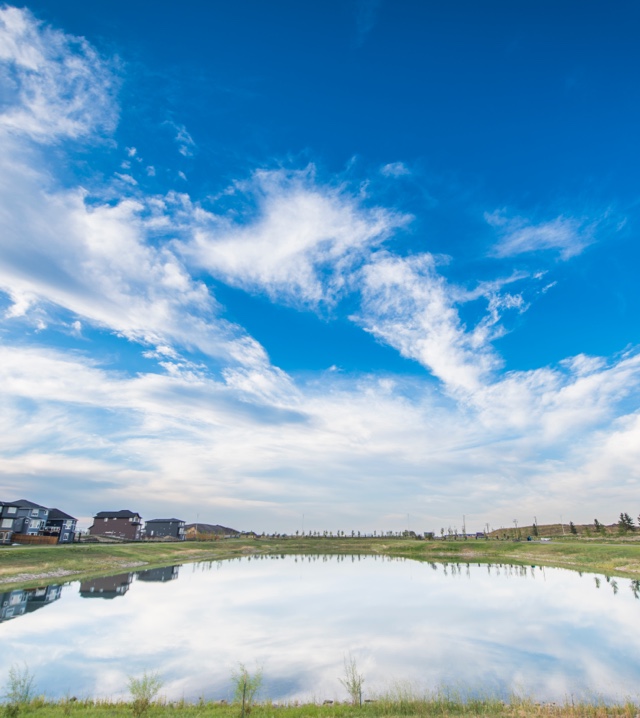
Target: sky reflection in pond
{"points": [[546, 633]]}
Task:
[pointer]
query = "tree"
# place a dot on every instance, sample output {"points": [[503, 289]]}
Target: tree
{"points": [[572, 528], [597, 525], [143, 690], [625, 523], [245, 687]]}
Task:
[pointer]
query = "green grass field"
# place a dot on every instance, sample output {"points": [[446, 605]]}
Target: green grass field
{"points": [[26, 566], [387, 706]]}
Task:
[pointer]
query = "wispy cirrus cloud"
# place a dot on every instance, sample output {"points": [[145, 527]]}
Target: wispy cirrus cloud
{"points": [[567, 236], [304, 244], [395, 169], [105, 260], [186, 143], [58, 86], [408, 305]]}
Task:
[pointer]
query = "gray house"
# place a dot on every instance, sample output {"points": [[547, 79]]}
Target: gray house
{"points": [[60, 525], [8, 520], [165, 528]]}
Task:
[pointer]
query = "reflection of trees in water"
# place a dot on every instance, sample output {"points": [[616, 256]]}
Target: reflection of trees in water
{"points": [[451, 569]]}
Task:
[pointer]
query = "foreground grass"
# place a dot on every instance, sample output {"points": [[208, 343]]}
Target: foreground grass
{"points": [[388, 706], [28, 566]]}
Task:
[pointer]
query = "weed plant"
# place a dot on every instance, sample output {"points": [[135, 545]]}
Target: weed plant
{"points": [[246, 686], [143, 691], [352, 680]]}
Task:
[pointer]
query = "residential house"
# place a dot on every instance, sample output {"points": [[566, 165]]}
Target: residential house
{"points": [[61, 525], [166, 573], [12, 604], [42, 596], [25, 600], [30, 519], [165, 528], [8, 516], [118, 524], [107, 586]]}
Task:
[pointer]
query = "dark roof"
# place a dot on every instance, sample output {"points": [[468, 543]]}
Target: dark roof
{"points": [[57, 514], [162, 521], [25, 504], [123, 514]]}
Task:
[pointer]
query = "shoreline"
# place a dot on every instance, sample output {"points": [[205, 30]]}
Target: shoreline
{"points": [[31, 566]]}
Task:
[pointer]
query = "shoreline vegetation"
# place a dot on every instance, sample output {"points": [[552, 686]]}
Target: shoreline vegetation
{"points": [[384, 705], [400, 699], [32, 566]]}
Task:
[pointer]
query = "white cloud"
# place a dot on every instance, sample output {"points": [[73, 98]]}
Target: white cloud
{"points": [[186, 144], [347, 451], [304, 244], [566, 235], [408, 305], [395, 169], [57, 84]]}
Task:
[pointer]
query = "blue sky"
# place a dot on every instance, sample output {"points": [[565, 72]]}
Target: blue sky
{"points": [[367, 262]]}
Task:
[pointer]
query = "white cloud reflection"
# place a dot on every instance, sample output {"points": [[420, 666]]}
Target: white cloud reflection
{"points": [[543, 632]]}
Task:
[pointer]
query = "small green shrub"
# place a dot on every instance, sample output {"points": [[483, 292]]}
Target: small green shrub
{"points": [[245, 688], [19, 690], [143, 691], [352, 680]]}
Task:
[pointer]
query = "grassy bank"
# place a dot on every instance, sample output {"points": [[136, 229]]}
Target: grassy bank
{"points": [[36, 565], [387, 706]]}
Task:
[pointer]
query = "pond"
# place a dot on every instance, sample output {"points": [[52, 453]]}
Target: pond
{"points": [[546, 633]]}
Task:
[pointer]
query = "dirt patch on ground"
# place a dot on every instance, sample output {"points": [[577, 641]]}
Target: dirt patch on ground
{"points": [[250, 549], [629, 568]]}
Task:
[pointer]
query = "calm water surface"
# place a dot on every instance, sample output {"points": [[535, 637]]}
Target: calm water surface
{"points": [[546, 633]]}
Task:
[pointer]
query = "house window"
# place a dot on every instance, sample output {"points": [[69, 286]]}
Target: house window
{"points": [[7, 523], [106, 519], [12, 509], [34, 512]]}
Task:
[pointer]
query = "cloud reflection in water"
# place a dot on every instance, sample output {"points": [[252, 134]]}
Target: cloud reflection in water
{"points": [[547, 633]]}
